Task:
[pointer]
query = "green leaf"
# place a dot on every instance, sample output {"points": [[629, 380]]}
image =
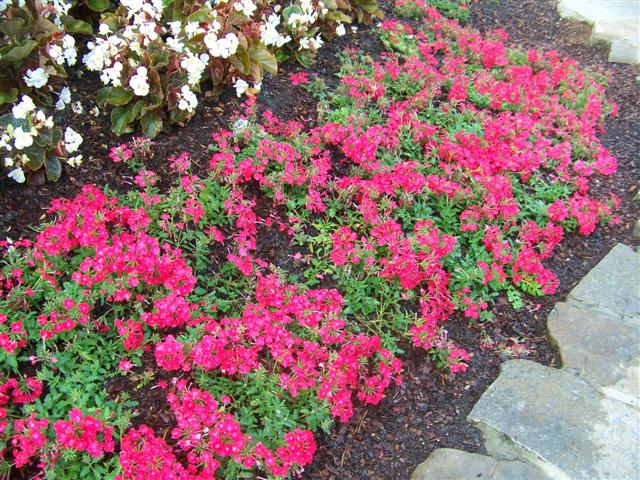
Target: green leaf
{"points": [[199, 16], [241, 61], [12, 28], [281, 56], [151, 124], [56, 135], [36, 157], [20, 52], [115, 96], [286, 13], [369, 6], [159, 57], [265, 58], [98, 5], [53, 168], [10, 96], [78, 26], [122, 116]]}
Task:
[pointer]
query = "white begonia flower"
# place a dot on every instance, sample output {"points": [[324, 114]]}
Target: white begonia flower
{"points": [[70, 52], [74, 161], [211, 41], [269, 33], [340, 30], [55, 51], [132, 5], [241, 86], [25, 106], [101, 52], [221, 47], [61, 7], [129, 33], [8, 162], [139, 82], [72, 140], [247, 7], [277, 8], [308, 43], [63, 99], [175, 28], [112, 75], [192, 29], [104, 29], [37, 78], [257, 86], [354, 29], [148, 29], [22, 139], [136, 47], [40, 116], [17, 174], [187, 99], [175, 44], [194, 66]]}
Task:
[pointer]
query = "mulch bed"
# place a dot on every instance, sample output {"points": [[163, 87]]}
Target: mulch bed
{"points": [[428, 411]]}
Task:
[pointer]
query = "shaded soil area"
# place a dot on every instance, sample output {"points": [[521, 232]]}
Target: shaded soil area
{"points": [[387, 441]]}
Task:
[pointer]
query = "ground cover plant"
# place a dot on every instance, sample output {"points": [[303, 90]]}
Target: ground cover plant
{"points": [[153, 58], [435, 179]]}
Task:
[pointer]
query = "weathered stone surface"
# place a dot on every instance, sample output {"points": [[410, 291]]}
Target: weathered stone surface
{"points": [[451, 464], [557, 421], [603, 347], [612, 286], [615, 22]]}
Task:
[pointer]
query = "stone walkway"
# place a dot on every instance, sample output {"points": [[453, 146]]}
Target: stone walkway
{"points": [[615, 22], [578, 422]]}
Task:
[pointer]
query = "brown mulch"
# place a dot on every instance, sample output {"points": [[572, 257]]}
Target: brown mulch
{"points": [[388, 441]]}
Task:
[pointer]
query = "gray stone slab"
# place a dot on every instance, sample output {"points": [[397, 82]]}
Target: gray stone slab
{"points": [[615, 22], [613, 285], [451, 464], [557, 421], [603, 347]]}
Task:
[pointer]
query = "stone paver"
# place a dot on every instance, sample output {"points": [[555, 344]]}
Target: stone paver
{"points": [[558, 421], [613, 286], [451, 464], [602, 347], [580, 422], [616, 22]]}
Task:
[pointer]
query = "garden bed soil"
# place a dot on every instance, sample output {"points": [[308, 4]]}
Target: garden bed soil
{"points": [[387, 441]]}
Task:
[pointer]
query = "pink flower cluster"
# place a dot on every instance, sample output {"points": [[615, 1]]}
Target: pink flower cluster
{"points": [[207, 435], [84, 433]]}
